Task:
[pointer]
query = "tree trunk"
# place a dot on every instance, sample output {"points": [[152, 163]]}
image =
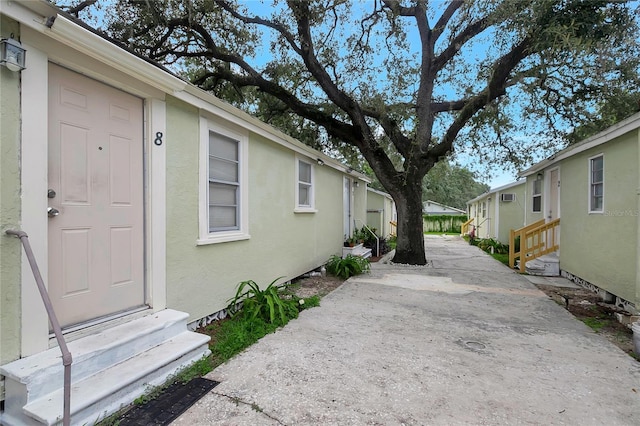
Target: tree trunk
{"points": [[410, 243]]}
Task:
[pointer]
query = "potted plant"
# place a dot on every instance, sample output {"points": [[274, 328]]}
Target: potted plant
{"points": [[350, 241]]}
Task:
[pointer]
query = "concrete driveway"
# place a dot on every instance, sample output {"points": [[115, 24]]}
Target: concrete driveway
{"points": [[464, 341]]}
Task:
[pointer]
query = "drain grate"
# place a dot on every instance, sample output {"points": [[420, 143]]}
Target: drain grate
{"points": [[170, 404]]}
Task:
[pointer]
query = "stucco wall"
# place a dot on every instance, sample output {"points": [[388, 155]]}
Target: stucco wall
{"points": [[511, 213], [601, 248], [10, 249], [375, 211], [201, 279], [383, 214], [359, 203]]}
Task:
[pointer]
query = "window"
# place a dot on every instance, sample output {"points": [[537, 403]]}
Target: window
{"points": [[223, 184], [537, 194], [596, 184], [484, 209], [304, 187]]}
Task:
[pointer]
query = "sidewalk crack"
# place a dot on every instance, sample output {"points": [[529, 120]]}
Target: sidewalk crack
{"points": [[255, 407]]}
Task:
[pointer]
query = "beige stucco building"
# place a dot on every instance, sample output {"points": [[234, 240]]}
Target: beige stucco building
{"points": [[592, 187], [496, 212], [381, 212], [146, 202]]}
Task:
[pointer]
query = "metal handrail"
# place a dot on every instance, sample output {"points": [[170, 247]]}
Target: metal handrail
{"points": [[355, 223], [66, 355]]}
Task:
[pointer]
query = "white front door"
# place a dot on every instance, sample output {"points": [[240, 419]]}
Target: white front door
{"points": [[95, 179], [554, 194], [554, 203]]}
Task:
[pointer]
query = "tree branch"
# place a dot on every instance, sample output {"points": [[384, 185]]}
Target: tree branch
{"points": [[75, 10], [257, 20], [446, 16], [496, 87], [456, 44], [398, 9]]}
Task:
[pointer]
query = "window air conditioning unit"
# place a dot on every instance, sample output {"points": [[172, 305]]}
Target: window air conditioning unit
{"points": [[507, 197]]}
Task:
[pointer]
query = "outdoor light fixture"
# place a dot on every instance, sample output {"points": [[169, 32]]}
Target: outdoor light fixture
{"points": [[539, 176], [320, 162], [12, 54]]}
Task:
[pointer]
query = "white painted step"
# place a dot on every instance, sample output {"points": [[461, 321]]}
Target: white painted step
{"points": [[42, 373], [547, 265], [109, 390], [358, 250], [109, 369]]}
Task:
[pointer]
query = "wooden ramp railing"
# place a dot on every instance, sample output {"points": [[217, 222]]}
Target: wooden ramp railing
{"points": [[536, 240], [464, 228]]}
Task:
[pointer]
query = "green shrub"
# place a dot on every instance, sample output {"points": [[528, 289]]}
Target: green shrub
{"points": [[264, 304], [443, 223], [487, 244], [347, 267], [392, 242]]}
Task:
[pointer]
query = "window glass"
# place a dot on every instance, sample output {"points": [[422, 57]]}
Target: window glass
{"points": [[597, 184], [537, 195], [224, 184], [305, 185]]}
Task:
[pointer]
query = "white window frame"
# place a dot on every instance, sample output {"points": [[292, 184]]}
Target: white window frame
{"points": [[591, 185], [305, 208], [536, 194], [207, 126]]}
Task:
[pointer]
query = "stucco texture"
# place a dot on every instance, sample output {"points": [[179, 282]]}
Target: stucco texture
{"points": [[601, 247], [379, 213], [511, 213], [10, 248], [201, 279]]}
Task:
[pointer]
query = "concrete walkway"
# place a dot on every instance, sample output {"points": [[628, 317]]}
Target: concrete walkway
{"points": [[465, 341]]}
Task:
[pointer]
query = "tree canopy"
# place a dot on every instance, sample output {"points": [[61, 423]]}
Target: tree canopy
{"points": [[451, 185], [608, 112], [402, 83]]}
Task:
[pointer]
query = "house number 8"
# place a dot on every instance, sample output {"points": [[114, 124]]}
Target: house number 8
{"points": [[158, 139]]}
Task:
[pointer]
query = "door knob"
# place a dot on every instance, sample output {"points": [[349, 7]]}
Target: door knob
{"points": [[52, 212]]}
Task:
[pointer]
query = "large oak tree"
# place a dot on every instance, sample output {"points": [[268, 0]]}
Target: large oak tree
{"points": [[405, 83]]}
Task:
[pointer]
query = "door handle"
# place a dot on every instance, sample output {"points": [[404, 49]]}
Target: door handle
{"points": [[51, 212]]}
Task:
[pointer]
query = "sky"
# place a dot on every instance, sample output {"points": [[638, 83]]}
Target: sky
{"points": [[498, 175]]}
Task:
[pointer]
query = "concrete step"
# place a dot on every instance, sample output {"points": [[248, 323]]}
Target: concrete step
{"points": [[109, 370], [117, 386], [358, 250], [42, 373], [547, 265]]}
